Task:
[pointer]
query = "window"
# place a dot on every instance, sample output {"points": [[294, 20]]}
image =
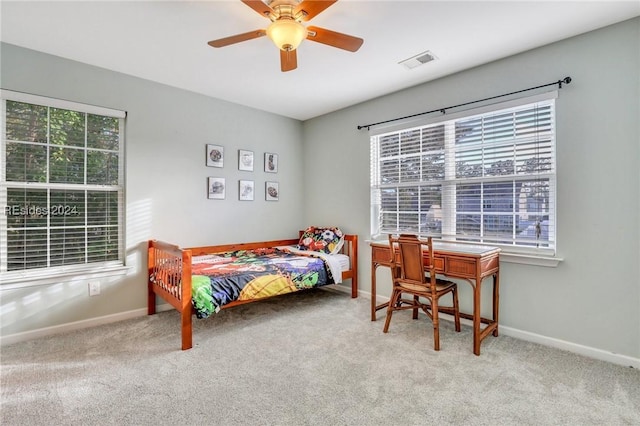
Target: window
{"points": [[61, 187], [485, 176]]}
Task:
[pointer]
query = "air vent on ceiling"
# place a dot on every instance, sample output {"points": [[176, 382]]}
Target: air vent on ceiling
{"points": [[419, 59]]}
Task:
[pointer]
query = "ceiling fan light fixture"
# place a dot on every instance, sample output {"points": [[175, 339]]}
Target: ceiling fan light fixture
{"points": [[287, 34]]}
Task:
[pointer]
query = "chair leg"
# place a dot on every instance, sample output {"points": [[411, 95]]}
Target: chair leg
{"points": [[456, 309], [416, 301], [436, 324], [395, 295]]}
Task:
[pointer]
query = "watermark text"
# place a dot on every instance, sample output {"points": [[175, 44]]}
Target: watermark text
{"points": [[41, 211]]}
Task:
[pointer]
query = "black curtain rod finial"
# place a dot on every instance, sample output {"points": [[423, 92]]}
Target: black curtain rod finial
{"points": [[565, 80]]}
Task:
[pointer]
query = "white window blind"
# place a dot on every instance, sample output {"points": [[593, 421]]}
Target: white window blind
{"points": [[481, 176], [61, 187]]}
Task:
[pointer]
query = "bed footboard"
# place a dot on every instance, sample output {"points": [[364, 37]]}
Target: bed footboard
{"points": [[170, 278]]}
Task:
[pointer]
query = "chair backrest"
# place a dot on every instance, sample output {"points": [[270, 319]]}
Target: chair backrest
{"points": [[409, 253]]}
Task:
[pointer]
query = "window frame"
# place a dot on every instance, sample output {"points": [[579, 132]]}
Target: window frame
{"points": [[50, 274], [511, 251]]}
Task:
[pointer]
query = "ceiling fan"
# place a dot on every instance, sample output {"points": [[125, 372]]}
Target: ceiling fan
{"points": [[286, 29]]}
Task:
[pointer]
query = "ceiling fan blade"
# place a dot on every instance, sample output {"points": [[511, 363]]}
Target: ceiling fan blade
{"points": [[288, 60], [221, 42], [259, 7], [311, 8], [335, 39]]}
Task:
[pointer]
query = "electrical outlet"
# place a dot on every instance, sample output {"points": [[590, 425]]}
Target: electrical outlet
{"points": [[94, 288]]}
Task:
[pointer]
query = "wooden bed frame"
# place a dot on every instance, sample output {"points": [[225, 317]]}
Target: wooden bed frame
{"points": [[171, 268]]}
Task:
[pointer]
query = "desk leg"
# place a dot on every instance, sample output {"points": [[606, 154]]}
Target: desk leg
{"points": [[477, 296], [492, 325], [374, 266], [496, 300]]}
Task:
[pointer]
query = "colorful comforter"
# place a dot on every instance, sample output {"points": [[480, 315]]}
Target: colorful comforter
{"points": [[218, 279]]}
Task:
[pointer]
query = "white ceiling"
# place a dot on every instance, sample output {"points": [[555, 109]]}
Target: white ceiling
{"points": [[166, 42]]}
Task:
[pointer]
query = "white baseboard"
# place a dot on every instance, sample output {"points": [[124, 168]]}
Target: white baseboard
{"points": [[78, 325], [587, 351], [71, 326]]}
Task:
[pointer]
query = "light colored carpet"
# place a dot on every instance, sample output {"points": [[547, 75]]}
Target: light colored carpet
{"points": [[313, 358]]}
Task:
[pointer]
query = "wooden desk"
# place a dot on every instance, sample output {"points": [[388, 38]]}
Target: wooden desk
{"points": [[469, 262]]}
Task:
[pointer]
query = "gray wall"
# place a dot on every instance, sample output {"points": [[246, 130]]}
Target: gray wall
{"points": [[166, 179], [590, 299], [593, 297]]}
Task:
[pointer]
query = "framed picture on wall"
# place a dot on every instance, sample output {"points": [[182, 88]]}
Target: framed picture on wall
{"points": [[271, 191], [246, 190], [215, 155], [216, 188], [245, 160], [270, 162]]}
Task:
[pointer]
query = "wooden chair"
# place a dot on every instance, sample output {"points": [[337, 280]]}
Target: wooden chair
{"points": [[411, 276]]}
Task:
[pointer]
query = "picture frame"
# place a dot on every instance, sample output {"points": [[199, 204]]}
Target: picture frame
{"points": [[245, 160], [246, 190], [271, 162], [215, 155], [271, 191], [216, 188]]}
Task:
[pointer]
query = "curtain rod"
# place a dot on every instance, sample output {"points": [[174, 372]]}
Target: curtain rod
{"points": [[565, 80]]}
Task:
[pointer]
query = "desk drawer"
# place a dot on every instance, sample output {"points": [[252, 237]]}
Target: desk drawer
{"points": [[460, 267]]}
